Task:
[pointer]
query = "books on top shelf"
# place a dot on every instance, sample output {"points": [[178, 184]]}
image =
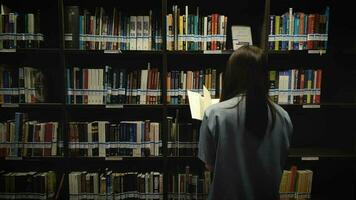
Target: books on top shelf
{"points": [[19, 30], [28, 185], [22, 85], [111, 29], [296, 184], [22, 137], [113, 85], [295, 86], [188, 185], [115, 185], [193, 31], [123, 139], [179, 82], [299, 31]]}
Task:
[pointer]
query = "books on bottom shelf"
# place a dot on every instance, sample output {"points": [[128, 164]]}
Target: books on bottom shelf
{"points": [[115, 185], [27, 185], [188, 185], [296, 184], [105, 139]]}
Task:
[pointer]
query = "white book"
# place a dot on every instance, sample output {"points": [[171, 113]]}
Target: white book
{"points": [[283, 87], [90, 86], [150, 31], [151, 136], [156, 135], [90, 139], [146, 33], [143, 87], [291, 28], [54, 138], [198, 104], [101, 86], [137, 150], [139, 33], [221, 30], [133, 35], [102, 141], [291, 89], [205, 33]]}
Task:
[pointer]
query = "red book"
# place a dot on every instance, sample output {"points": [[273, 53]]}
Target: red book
{"points": [[48, 138], [310, 28], [318, 86]]}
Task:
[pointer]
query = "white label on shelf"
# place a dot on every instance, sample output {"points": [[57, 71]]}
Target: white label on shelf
{"points": [[10, 105], [310, 158], [113, 51], [13, 158], [311, 106], [114, 106], [317, 51], [113, 158], [7, 50], [212, 52]]}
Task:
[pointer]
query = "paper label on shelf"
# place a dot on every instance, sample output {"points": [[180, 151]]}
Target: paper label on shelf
{"points": [[212, 52], [114, 106], [311, 106], [311, 158], [13, 158], [113, 51], [10, 105], [7, 50]]}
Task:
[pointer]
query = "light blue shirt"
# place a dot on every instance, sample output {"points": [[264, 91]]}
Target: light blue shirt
{"points": [[244, 166]]}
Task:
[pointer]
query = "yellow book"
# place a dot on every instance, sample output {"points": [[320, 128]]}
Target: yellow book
{"points": [[180, 36], [276, 30]]}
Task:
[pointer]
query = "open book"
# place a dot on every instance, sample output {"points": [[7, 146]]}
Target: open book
{"points": [[198, 104]]}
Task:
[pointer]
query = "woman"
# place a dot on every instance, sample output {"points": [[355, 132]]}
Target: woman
{"points": [[244, 139]]}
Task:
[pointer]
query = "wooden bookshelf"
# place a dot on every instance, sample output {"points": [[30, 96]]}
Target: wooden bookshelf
{"points": [[338, 95]]}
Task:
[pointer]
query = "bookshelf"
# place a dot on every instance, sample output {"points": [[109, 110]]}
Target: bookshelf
{"points": [[323, 141]]}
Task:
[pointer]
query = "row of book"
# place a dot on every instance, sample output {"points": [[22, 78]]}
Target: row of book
{"points": [[188, 185], [299, 31], [27, 138], [19, 30], [296, 184], [27, 185], [183, 138], [21, 85], [115, 185], [108, 85], [111, 29], [189, 32], [179, 82], [295, 86], [105, 139]]}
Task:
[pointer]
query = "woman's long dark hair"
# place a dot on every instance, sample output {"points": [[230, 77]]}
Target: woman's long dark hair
{"points": [[247, 74]]}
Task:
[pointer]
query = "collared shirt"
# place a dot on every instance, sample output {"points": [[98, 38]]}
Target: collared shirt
{"points": [[245, 167]]}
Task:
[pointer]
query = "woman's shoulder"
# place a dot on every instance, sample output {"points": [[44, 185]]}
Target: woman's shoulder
{"points": [[222, 106], [280, 111]]}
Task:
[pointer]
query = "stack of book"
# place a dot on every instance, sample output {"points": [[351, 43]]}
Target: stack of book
{"points": [[299, 31], [104, 139], [115, 185], [101, 29], [24, 138], [190, 32]]}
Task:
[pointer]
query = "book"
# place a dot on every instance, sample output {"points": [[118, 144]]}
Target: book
{"points": [[198, 103]]}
